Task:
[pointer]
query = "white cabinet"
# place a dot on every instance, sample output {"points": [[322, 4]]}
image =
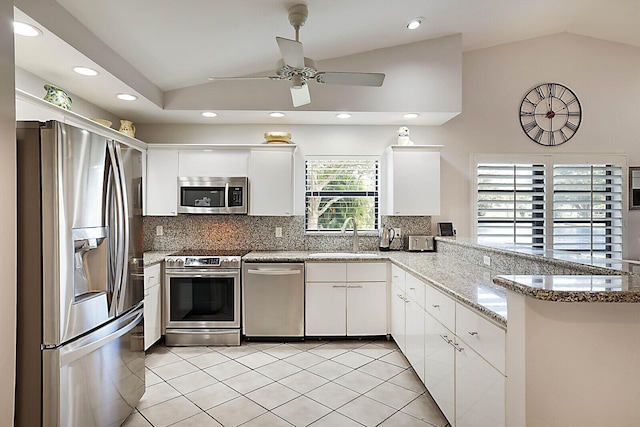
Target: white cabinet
{"points": [[345, 299], [162, 182], [398, 307], [152, 305], [222, 162], [463, 352], [271, 182], [411, 180]]}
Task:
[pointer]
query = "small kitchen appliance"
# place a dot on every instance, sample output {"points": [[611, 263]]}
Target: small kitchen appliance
{"points": [[202, 298], [387, 234], [213, 195], [419, 243]]}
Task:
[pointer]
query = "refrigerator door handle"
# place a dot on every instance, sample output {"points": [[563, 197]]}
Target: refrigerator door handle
{"points": [[124, 212], [119, 235], [75, 354]]}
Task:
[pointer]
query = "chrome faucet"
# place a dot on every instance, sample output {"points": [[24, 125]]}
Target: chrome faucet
{"points": [[356, 246]]}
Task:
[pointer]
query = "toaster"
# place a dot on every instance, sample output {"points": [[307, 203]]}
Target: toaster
{"points": [[419, 243]]}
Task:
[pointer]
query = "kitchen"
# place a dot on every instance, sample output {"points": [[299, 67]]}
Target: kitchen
{"points": [[493, 82]]}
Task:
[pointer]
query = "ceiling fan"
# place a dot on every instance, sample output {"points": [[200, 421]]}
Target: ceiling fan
{"points": [[300, 70]]}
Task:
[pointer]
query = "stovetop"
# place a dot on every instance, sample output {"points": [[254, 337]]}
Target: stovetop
{"points": [[204, 259]]}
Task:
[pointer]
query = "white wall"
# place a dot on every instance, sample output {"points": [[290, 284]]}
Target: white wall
{"points": [[7, 216], [605, 76]]}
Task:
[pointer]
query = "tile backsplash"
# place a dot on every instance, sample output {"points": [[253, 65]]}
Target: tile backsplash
{"points": [[258, 233]]}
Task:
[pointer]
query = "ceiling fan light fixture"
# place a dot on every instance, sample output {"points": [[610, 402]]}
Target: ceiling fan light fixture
{"points": [[24, 29], [410, 115], [126, 97], [209, 114], [86, 71], [414, 23], [343, 115], [276, 114]]}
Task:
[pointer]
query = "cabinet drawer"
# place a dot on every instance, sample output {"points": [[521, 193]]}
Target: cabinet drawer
{"points": [[487, 339], [367, 272], [415, 289], [326, 272], [441, 307], [152, 276], [398, 275]]}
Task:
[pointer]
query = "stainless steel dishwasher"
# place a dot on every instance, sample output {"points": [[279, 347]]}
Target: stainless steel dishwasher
{"points": [[273, 300]]}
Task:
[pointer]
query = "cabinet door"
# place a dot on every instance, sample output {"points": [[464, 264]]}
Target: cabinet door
{"points": [[213, 163], [398, 331], [366, 308], [439, 365], [415, 336], [152, 312], [326, 309], [271, 183], [480, 391], [162, 182]]}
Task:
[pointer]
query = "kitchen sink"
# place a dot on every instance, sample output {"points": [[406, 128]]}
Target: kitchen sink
{"points": [[342, 255]]}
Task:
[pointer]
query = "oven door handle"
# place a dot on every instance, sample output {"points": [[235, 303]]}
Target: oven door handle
{"points": [[272, 272], [200, 273]]}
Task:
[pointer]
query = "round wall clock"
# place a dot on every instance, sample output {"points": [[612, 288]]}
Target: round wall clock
{"points": [[550, 114]]}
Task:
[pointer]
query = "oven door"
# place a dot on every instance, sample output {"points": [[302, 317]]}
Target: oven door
{"points": [[201, 298]]}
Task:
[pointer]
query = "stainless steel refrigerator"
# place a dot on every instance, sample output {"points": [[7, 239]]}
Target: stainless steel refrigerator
{"points": [[80, 350]]}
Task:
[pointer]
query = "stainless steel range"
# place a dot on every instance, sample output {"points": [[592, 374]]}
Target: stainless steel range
{"points": [[202, 298]]}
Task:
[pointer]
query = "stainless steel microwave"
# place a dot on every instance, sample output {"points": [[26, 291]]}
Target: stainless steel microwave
{"points": [[212, 195]]}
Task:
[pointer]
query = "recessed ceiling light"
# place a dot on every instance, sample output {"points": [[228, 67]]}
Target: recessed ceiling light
{"points": [[410, 115], [24, 29], [209, 114], [126, 97], [414, 23], [343, 115], [85, 71], [276, 114]]}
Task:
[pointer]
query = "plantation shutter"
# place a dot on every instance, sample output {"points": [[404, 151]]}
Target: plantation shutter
{"points": [[587, 209], [511, 204], [339, 189]]}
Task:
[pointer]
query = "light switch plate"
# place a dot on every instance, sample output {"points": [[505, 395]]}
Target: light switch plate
{"points": [[487, 260], [398, 232], [278, 231], [159, 230]]}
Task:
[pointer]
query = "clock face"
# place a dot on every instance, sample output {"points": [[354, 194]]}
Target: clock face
{"points": [[550, 114]]}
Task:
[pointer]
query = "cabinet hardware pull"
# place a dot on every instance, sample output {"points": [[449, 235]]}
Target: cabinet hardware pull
{"points": [[339, 286], [457, 346], [356, 286], [435, 306], [412, 289], [473, 333], [446, 339]]}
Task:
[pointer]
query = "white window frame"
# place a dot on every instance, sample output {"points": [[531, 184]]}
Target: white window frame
{"points": [[549, 160], [344, 158]]}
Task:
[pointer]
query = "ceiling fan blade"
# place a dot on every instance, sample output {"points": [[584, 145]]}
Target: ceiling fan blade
{"points": [[355, 79], [300, 96], [291, 52], [213, 79]]}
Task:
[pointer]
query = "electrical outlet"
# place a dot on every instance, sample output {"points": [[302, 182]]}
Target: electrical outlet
{"points": [[398, 232], [487, 260], [278, 231], [159, 230]]}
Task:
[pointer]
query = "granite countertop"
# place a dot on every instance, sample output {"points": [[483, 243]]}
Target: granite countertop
{"points": [[154, 257]]}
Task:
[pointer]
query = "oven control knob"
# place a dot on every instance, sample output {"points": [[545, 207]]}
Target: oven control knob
{"points": [[179, 262], [169, 261], [234, 262], [224, 262]]}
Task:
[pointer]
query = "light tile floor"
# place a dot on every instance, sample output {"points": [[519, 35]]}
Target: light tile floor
{"points": [[313, 383]]}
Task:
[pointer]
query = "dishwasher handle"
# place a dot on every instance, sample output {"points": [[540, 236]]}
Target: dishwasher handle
{"points": [[273, 272]]}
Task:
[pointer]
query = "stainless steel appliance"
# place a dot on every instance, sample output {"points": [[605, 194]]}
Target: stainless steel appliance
{"points": [[419, 243], [202, 298], [80, 350], [207, 195], [273, 300], [387, 234]]}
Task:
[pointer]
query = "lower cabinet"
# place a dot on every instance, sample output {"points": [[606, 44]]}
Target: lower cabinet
{"points": [[152, 305], [458, 354], [343, 299]]}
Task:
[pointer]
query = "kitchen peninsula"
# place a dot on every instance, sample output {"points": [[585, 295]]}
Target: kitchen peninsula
{"points": [[569, 352]]}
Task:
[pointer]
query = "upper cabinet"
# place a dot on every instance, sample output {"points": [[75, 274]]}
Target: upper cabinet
{"points": [[270, 170], [271, 182], [162, 181], [410, 180]]}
